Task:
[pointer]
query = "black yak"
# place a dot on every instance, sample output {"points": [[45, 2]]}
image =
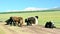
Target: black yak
{"points": [[32, 20], [49, 24]]}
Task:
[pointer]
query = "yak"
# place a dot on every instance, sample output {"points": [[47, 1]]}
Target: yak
{"points": [[15, 21], [31, 20], [49, 24]]}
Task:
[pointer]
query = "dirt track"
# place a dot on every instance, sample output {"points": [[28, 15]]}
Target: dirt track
{"points": [[35, 29]]}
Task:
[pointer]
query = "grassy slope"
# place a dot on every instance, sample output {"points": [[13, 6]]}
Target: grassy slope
{"points": [[43, 16]]}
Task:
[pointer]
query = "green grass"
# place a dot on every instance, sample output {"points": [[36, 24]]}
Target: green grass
{"points": [[1, 31], [43, 16]]}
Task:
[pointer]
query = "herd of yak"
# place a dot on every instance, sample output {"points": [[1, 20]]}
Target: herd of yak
{"points": [[29, 21]]}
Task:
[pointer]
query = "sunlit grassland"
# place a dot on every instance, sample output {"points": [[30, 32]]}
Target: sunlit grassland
{"points": [[43, 16], [1, 31]]}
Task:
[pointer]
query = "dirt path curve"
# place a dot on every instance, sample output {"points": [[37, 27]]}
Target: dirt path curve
{"points": [[35, 29]]}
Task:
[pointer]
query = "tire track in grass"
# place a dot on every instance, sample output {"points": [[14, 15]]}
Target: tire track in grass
{"points": [[37, 30], [9, 30], [5, 30], [13, 31], [34, 30], [27, 29], [43, 29], [52, 31]]}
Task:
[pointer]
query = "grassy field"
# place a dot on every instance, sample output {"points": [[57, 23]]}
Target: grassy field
{"points": [[1, 31], [43, 16]]}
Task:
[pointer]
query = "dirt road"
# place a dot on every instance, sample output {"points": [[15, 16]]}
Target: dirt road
{"points": [[35, 29]]}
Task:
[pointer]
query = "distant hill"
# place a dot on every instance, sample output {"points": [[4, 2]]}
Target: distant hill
{"points": [[51, 10]]}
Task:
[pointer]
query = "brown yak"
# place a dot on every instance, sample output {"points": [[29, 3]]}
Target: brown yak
{"points": [[15, 21]]}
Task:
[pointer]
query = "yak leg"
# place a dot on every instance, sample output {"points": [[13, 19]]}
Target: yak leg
{"points": [[30, 23], [27, 23], [21, 22], [14, 23], [17, 23], [10, 23]]}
